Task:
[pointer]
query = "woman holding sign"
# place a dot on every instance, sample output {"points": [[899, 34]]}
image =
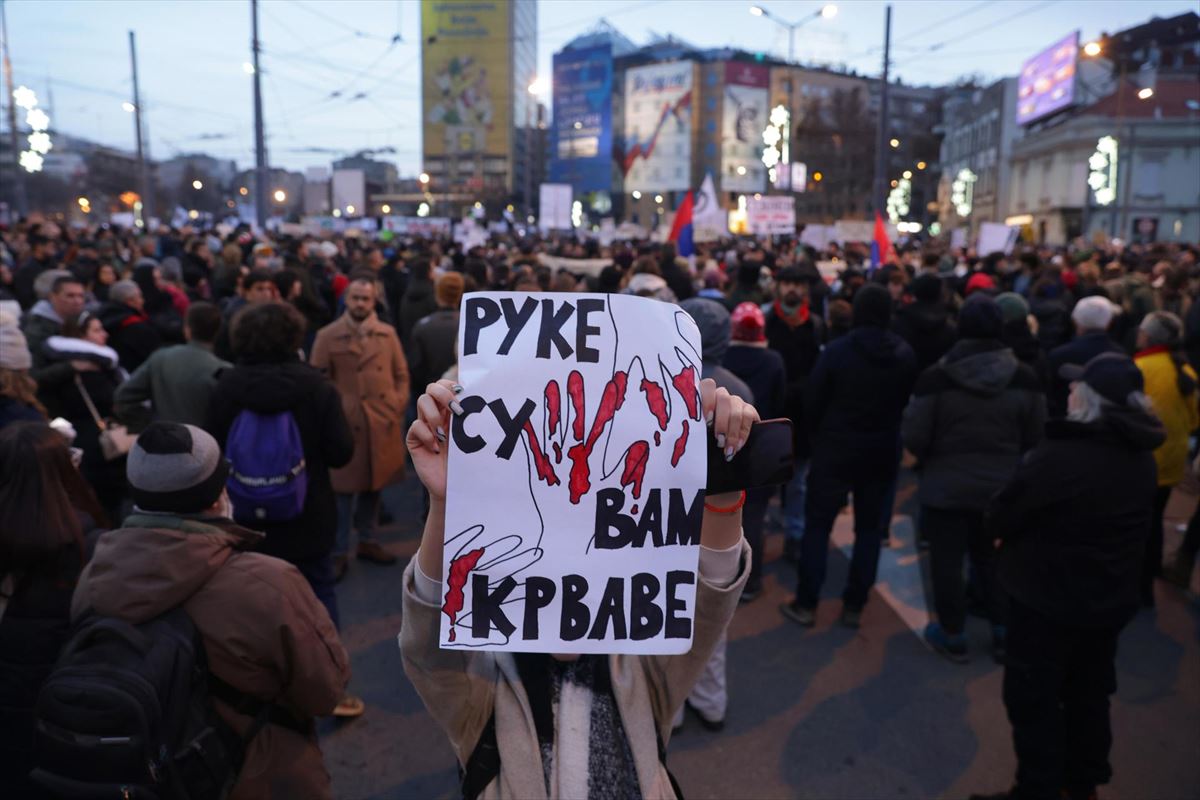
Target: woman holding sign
{"points": [[533, 725]]}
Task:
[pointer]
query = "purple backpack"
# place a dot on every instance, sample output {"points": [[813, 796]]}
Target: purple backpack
{"points": [[267, 479]]}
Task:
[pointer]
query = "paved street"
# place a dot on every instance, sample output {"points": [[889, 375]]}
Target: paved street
{"points": [[826, 713]]}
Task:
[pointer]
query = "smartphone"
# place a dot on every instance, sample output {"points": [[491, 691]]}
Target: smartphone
{"points": [[765, 460]]}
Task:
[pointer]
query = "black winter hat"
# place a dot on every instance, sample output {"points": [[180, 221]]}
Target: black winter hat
{"points": [[872, 307], [980, 318], [927, 288]]}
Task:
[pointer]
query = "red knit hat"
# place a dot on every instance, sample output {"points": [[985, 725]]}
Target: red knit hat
{"points": [[980, 281], [748, 324]]}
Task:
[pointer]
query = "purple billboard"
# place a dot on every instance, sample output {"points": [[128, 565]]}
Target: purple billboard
{"points": [[1047, 81]]}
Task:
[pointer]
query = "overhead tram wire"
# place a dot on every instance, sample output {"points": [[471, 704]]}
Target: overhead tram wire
{"points": [[932, 49]]}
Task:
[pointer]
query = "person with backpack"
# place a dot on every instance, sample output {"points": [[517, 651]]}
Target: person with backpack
{"points": [[363, 358], [283, 429], [508, 715], [240, 654], [47, 511]]}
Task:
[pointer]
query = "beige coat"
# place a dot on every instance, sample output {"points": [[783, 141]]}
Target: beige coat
{"points": [[369, 370], [264, 631], [461, 690]]}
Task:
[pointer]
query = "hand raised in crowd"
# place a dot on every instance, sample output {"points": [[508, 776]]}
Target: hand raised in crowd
{"points": [[427, 436]]}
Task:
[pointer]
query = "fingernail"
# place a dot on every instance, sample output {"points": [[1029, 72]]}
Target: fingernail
{"points": [[457, 389], [708, 420], [440, 434], [729, 453], [721, 440], [456, 407]]}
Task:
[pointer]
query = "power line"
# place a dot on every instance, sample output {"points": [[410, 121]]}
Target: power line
{"points": [[981, 29], [943, 23], [335, 21]]}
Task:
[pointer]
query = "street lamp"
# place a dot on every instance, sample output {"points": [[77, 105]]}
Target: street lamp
{"points": [[827, 11], [1145, 93], [1092, 49], [423, 177], [280, 196], [637, 195], [243, 191], [128, 107], [197, 185], [894, 143], [385, 208]]}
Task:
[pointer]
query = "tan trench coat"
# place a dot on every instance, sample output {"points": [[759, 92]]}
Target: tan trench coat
{"points": [[371, 374]]}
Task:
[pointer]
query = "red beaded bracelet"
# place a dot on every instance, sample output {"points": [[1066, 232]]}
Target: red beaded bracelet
{"points": [[733, 509]]}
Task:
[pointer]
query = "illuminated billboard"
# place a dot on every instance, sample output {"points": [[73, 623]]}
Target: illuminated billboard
{"points": [[1047, 81], [658, 127], [466, 77], [743, 119], [582, 154]]}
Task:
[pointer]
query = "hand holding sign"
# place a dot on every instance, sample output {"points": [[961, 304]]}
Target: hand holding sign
{"points": [[426, 438]]}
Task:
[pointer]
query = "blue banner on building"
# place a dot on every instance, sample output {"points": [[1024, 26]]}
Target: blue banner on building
{"points": [[582, 152]]}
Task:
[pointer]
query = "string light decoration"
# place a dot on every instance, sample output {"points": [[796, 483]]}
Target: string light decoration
{"points": [[962, 192], [775, 141], [32, 159], [1102, 175], [898, 199]]}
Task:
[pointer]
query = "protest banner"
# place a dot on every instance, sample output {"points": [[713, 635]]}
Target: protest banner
{"points": [[555, 201], [857, 230], [771, 214], [575, 490], [591, 267]]}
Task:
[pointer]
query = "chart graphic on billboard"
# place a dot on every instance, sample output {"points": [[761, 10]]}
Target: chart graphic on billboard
{"points": [[658, 127], [1047, 81], [465, 72], [743, 118], [582, 154]]}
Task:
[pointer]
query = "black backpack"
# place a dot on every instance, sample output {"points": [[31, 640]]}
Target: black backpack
{"points": [[127, 713]]}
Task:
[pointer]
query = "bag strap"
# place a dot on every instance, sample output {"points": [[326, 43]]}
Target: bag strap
{"points": [[263, 711], [87, 399]]}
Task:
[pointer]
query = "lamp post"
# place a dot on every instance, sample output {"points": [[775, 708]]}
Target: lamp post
{"points": [[828, 11]]}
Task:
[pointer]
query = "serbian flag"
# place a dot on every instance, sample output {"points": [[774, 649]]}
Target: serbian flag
{"points": [[880, 244], [681, 229]]}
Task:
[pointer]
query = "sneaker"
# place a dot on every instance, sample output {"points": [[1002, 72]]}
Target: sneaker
{"points": [[851, 617], [349, 707], [801, 615], [375, 553], [340, 563], [952, 647]]}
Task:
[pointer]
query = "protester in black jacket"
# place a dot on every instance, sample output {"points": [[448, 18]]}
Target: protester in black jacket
{"points": [[971, 417], [46, 512], [130, 331], [269, 378], [853, 402], [1073, 525], [926, 323], [1092, 317], [419, 299], [796, 332]]}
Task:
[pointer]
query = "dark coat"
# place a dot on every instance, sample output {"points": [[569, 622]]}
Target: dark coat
{"points": [[314, 402], [12, 410], [1074, 519], [1081, 350], [431, 347], [854, 398], [130, 333], [418, 302], [762, 370], [800, 347], [928, 329], [37, 622], [971, 417]]}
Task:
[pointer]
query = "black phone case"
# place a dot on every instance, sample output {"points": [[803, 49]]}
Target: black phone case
{"points": [[766, 459]]}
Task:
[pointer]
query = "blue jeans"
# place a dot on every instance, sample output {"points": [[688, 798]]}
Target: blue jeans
{"points": [[793, 503], [359, 510], [827, 490], [319, 574]]}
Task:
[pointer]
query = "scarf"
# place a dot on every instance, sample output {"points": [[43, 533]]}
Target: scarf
{"points": [[795, 319]]}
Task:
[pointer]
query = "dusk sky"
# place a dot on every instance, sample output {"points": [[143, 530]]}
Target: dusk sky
{"points": [[198, 98]]}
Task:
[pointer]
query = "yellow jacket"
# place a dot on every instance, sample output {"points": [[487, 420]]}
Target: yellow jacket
{"points": [[1180, 415]]}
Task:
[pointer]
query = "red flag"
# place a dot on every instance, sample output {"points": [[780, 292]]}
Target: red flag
{"points": [[881, 246]]}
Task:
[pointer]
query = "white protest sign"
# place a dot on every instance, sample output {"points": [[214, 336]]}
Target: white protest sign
{"points": [[554, 204], [958, 238], [576, 266], [817, 237], [575, 491], [995, 237], [857, 230], [771, 214]]}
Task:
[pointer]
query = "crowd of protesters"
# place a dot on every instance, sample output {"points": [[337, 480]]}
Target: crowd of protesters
{"points": [[1046, 401]]}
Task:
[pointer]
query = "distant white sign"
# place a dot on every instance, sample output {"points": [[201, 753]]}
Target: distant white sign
{"points": [[555, 203], [771, 215], [858, 230], [417, 226], [350, 191], [995, 237], [817, 236]]}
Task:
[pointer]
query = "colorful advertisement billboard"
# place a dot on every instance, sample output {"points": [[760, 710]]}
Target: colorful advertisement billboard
{"points": [[466, 77], [582, 153], [743, 119], [1047, 81], [658, 127]]}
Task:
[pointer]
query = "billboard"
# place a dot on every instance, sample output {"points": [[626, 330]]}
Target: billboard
{"points": [[466, 77], [658, 127], [582, 151], [743, 119], [1047, 81]]}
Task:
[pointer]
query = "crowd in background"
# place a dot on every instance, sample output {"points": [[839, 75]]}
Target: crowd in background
{"points": [[1046, 398]]}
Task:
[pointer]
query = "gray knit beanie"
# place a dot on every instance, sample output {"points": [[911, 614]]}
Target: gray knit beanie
{"points": [[14, 350], [176, 468]]}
